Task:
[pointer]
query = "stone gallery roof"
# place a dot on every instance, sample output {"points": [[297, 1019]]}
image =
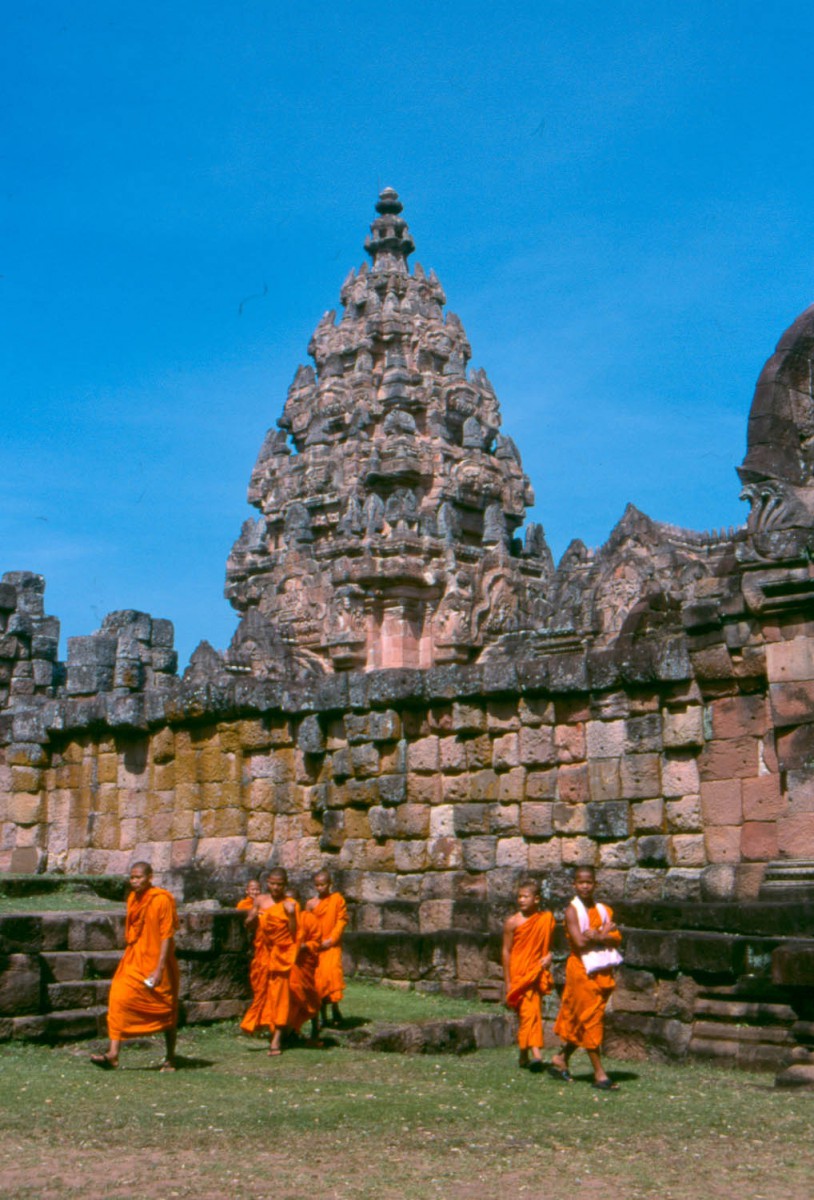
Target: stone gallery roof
{"points": [[390, 501]]}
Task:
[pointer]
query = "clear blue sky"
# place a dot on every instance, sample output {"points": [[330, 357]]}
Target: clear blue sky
{"points": [[616, 197]]}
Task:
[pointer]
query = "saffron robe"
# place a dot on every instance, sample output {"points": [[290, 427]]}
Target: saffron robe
{"points": [[528, 981], [305, 999], [133, 1008], [581, 1017], [275, 954], [245, 903], [332, 915]]}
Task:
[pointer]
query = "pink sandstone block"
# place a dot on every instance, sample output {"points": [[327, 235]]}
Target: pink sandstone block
{"points": [[506, 751], [759, 841], [648, 816], [800, 789], [733, 758], [569, 742], [605, 739], [792, 702], [423, 754], [723, 843], [790, 660], [736, 716], [721, 802], [687, 850], [572, 784], [536, 745], [679, 774], [641, 776], [578, 851], [763, 799], [795, 836], [683, 728]]}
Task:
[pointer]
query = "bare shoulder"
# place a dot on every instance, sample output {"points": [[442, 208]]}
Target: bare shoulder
{"points": [[311, 904], [512, 922]]}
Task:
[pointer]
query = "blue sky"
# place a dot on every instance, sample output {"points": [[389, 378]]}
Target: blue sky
{"points": [[617, 199]]}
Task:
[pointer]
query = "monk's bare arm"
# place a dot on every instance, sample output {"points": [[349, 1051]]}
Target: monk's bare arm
{"points": [[579, 940], [290, 910], [508, 941]]}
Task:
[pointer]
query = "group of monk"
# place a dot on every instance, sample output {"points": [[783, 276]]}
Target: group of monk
{"points": [[296, 968], [593, 941]]}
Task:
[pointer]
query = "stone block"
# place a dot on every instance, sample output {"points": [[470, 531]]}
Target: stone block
{"points": [[578, 851], [471, 818], [605, 739], [723, 843], [511, 785], [26, 779], [382, 821], [502, 715], [542, 785], [535, 710], [687, 850], [762, 798], [423, 754], [434, 915], [411, 855], [643, 883], [393, 789], [483, 785], [364, 760], [735, 758], [569, 818], [684, 815], [569, 742], [795, 749], [792, 703], [718, 882], [468, 718], [640, 776], [452, 751], [506, 751], [536, 818], [738, 716], [643, 734], [648, 816], [413, 820], [721, 802], [479, 853], [25, 809], [478, 752], [504, 819], [442, 820], [608, 819], [445, 853], [19, 985], [652, 850], [759, 841], [618, 855], [572, 784], [545, 856], [536, 745], [376, 888], [792, 660], [679, 774], [682, 728], [604, 780], [512, 852], [795, 836]]}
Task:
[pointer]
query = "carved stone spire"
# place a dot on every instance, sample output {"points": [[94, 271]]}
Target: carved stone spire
{"points": [[388, 538], [389, 244]]}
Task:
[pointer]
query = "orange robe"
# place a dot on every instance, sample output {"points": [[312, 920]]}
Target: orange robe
{"points": [[274, 957], [133, 1008], [528, 982], [582, 1010], [332, 915], [305, 998], [245, 903]]}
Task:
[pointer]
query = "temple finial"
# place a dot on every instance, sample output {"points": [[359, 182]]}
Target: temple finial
{"points": [[390, 243]]}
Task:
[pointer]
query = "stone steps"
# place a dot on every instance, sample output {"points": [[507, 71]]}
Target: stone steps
{"points": [[743, 1012], [64, 966], [753, 1032], [79, 993]]}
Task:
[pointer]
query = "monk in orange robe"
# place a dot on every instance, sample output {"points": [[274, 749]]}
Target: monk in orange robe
{"points": [[277, 916], [144, 991], [526, 958], [593, 939], [305, 998], [252, 892], [331, 912]]}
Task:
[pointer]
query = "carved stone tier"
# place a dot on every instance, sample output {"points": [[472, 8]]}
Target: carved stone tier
{"points": [[390, 501]]}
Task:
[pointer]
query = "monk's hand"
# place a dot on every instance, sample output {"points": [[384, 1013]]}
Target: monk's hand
{"points": [[326, 944], [545, 961]]}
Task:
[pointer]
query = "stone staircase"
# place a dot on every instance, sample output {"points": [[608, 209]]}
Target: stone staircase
{"points": [[750, 1025]]}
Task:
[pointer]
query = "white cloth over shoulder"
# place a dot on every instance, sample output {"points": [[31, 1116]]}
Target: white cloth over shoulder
{"points": [[595, 960]]}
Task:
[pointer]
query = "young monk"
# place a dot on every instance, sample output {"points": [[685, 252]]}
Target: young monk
{"points": [[276, 915], [332, 914], [144, 992], [252, 892], [305, 998], [526, 958], [593, 938]]}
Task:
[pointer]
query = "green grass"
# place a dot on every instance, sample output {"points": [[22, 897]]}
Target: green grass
{"points": [[352, 1125], [66, 899]]}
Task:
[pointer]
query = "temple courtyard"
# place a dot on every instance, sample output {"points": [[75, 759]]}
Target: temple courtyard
{"points": [[347, 1124]]}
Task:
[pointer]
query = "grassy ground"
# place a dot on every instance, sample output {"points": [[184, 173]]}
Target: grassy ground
{"points": [[350, 1125], [66, 900]]}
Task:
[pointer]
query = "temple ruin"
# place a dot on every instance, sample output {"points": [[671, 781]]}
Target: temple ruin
{"points": [[417, 698]]}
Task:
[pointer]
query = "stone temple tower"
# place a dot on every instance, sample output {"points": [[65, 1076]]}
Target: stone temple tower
{"points": [[390, 502]]}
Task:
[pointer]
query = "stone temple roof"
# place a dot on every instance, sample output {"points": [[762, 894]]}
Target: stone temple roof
{"points": [[390, 501]]}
